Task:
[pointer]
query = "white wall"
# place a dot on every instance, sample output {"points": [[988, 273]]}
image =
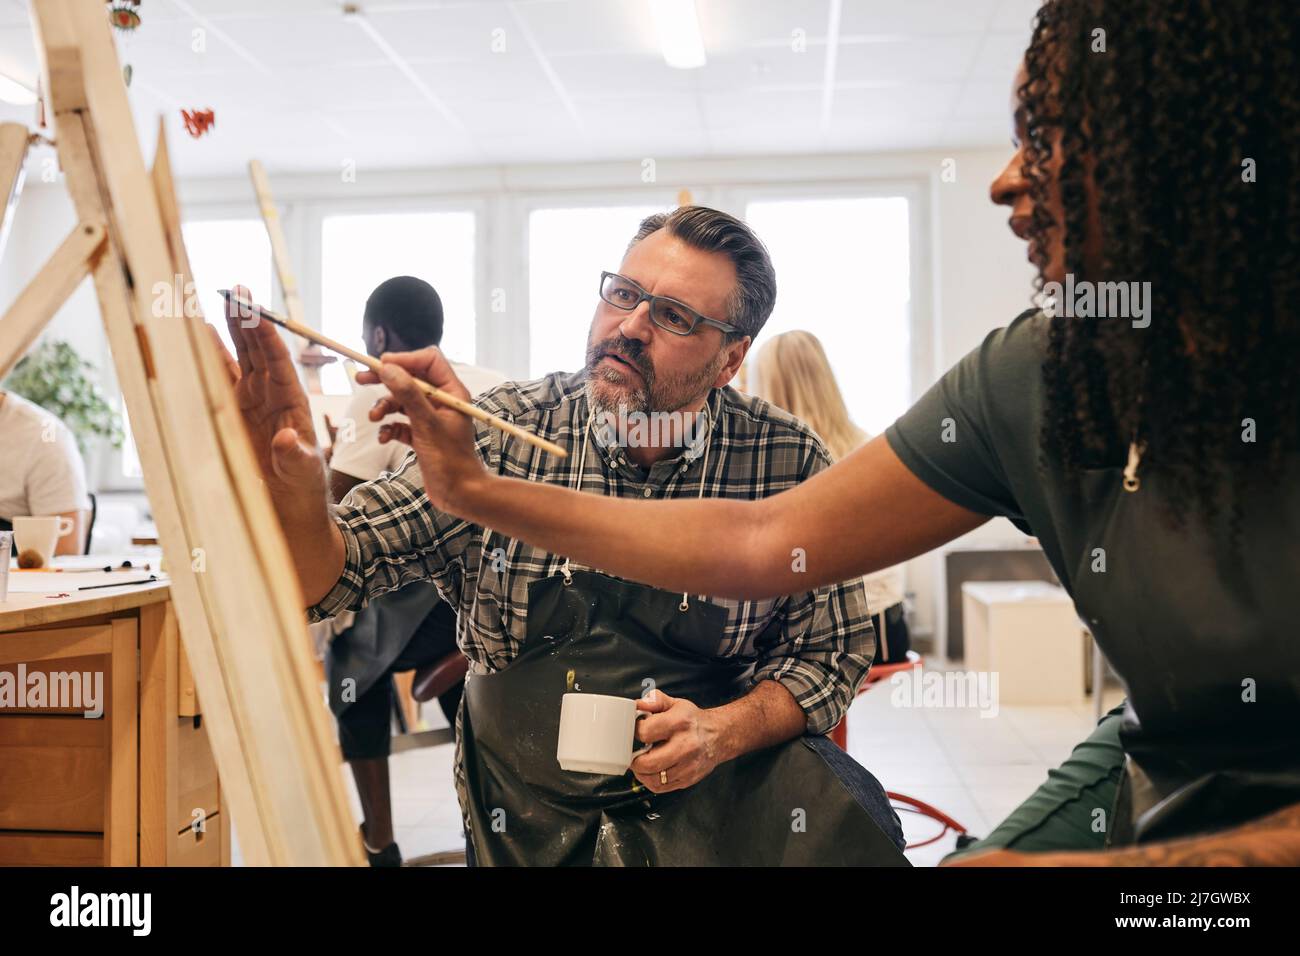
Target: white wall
{"points": [[971, 272]]}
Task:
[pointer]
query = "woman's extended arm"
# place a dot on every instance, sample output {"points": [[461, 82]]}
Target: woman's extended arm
{"points": [[865, 513]]}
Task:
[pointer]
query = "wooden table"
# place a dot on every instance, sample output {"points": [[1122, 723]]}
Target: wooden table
{"points": [[135, 786]]}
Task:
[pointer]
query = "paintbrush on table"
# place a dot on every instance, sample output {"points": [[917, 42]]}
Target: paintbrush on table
{"points": [[465, 408]]}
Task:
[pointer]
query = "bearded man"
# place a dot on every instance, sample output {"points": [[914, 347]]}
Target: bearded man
{"points": [[734, 699]]}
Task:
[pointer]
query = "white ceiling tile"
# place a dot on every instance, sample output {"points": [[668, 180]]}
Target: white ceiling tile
{"points": [[281, 41], [923, 103], [884, 135], [537, 115], [909, 73], [916, 17], [496, 76], [13, 13], [999, 57], [729, 24], [923, 59], [634, 74], [651, 115], [173, 46], [591, 26], [978, 132], [18, 55], [984, 98], [1016, 16], [237, 9], [762, 68], [779, 109], [352, 87], [454, 31]]}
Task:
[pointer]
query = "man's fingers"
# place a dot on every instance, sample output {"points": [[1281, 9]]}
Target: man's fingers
{"points": [[235, 319], [656, 727], [383, 408], [655, 702], [431, 366], [414, 402], [395, 431], [232, 367], [661, 756]]}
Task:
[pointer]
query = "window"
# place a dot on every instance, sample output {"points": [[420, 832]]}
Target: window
{"points": [[360, 251], [225, 253], [842, 273], [222, 253], [567, 251]]}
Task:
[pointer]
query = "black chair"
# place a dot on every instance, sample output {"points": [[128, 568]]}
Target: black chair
{"points": [[90, 528]]}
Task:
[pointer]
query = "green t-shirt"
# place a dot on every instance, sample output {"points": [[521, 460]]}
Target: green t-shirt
{"points": [[1203, 633]]}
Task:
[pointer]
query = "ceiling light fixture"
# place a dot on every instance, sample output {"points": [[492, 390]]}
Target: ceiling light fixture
{"points": [[678, 25]]}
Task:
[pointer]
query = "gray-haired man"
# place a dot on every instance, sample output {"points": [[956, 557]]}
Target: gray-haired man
{"points": [[736, 696]]}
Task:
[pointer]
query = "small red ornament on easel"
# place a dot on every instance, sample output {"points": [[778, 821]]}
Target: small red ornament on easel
{"points": [[198, 122]]}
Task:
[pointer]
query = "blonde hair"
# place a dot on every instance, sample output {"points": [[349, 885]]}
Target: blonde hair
{"points": [[792, 372]]}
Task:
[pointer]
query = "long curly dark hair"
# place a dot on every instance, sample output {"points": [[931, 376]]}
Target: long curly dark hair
{"points": [[1188, 100]]}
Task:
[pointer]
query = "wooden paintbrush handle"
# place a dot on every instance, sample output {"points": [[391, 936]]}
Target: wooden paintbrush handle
{"points": [[462, 406]]}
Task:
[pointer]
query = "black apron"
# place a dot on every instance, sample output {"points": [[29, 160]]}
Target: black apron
{"points": [[779, 806]]}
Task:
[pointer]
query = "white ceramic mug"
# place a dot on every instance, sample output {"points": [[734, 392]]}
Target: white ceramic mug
{"points": [[40, 534], [597, 732]]}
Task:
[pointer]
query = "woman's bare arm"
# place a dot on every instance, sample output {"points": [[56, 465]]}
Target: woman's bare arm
{"points": [[865, 513]]}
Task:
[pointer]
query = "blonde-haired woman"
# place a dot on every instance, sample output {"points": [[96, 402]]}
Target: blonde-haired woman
{"points": [[792, 372]]}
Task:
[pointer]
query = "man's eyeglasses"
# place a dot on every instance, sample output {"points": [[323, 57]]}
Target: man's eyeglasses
{"points": [[668, 314]]}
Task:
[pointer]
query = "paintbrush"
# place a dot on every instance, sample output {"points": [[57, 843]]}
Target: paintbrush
{"points": [[465, 408]]}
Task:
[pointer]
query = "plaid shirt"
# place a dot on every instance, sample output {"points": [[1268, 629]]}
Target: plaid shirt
{"points": [[818, 644]]}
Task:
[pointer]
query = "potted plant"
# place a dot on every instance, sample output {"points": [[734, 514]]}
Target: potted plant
{"points": [[59, 380]]}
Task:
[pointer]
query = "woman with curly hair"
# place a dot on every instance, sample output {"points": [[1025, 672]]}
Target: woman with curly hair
{"points": [[1143, 423]]}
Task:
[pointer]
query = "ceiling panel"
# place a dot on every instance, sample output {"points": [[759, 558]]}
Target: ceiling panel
{"points": [[984, 98], [460, 31], [297, 83], [1015, 16], [924, 103], [922, 59], [760, 69], [729, 24], [916, 17], [563, 27], [999, 56], [634, 75], [500, 76]]}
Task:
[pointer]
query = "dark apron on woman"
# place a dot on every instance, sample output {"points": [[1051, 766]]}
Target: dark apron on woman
{"points": [[591, 633]]}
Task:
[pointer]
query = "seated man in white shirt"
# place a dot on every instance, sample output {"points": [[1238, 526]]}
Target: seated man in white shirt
{"points": [[405, 629], [41, 471]]}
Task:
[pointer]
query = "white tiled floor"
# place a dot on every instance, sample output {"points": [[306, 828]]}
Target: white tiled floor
{"points": [[976, 769]]}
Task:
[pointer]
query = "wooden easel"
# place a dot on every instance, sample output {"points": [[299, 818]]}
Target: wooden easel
{"points": [[237, 600], [311, 358]]}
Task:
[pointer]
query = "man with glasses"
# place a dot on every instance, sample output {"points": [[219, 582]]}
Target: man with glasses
{"points": [[732, 699]]}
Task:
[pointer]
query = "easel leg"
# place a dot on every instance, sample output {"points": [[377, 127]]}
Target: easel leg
{"points": [[45, 294]]}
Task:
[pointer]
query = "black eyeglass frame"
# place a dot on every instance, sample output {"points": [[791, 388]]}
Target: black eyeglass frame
{"points": [[695, 317]]}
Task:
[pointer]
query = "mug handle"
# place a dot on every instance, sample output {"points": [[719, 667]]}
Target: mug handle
{"points": [[65, 526], [645, 748]]}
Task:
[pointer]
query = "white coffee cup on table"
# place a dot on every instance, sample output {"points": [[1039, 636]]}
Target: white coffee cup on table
{"points": [[597, 732], [40, 534]]}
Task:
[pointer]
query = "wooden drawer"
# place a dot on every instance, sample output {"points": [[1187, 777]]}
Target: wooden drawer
{"points": [[196, 773], [199, 849], [81, 682], [51, 849], [55, 769]]}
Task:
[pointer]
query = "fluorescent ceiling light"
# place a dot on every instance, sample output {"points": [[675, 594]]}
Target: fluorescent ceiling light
{"points": [[679, 33], [11, 91]]}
